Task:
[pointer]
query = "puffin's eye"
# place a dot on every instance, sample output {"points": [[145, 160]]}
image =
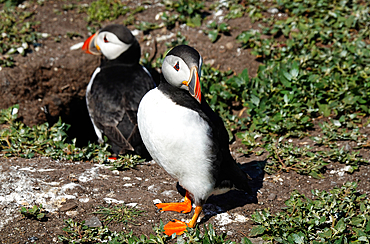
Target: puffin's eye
{"points": [[177, 66], [105, 39]]}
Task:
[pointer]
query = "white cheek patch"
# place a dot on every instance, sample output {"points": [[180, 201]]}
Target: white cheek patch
{"points": [[172, 75], [113, 47]]}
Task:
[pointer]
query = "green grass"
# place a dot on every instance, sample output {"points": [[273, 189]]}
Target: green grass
{"points": [[18, 32], [99, 11], [119, 214], [338, 216], [17, 139], [76, 232], [321, 67]]}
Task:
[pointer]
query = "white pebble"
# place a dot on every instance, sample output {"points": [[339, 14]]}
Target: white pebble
{"points": [[156, 201]]}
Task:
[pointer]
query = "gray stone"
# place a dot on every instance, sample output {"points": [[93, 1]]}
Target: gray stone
{"points": [[93, 222], [271, 197]]}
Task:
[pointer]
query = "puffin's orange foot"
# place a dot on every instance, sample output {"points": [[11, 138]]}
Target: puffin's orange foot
{"points": [[180, 207], [175, 226]]}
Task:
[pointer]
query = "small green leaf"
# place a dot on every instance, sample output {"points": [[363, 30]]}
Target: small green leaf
{"points": [[213, 35], [298, 238], [340, 226], [326, 233], [246, 240], [257, 230], [255, 100]]}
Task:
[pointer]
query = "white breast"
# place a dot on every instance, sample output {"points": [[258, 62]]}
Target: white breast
{"points": [[179, 140], [88, 89]]}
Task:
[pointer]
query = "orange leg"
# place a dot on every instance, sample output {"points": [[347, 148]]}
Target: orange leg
{"points": [[179, 227], [181, 207]]}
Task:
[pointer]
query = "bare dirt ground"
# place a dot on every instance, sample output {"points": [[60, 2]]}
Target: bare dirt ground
{"points": [[56, 77]]}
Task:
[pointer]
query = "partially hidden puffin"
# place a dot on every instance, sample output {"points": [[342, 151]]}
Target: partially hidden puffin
{"points": [[116, 88], [187, 138]]}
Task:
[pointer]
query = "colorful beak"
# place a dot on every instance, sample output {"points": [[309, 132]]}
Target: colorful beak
{"points": [[90, 46], [194, 84]]}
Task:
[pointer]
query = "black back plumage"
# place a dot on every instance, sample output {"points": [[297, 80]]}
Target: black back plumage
{"points": [[115, 95], [226, 171]]}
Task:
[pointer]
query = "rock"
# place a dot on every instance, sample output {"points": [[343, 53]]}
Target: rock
{"points": [[210, 61], [347, 147], [68, 206], [71, 213], [229, 45], [273, 10], [132, 205], [93, 222], [257, 240], [156, 201], [154, 188], [240, 218], [271, 197], [169, 193]]}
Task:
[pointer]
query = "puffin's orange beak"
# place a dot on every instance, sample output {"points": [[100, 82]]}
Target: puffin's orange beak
{"points": [[194, 84], [90, 45]]}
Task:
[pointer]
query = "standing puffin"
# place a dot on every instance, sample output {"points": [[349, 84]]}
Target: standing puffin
{"points": [[116, 88], [187, 138]]}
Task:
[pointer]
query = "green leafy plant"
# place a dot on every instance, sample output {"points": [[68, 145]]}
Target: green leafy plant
{"points": [[189, 12], [217, 30], [100, 10], [322, 61], [119, 213], [332, 132], [284, 155], [18, 32], [338, 216], [124, 162], [80, 233], [180, 40], [76, 232], [235, 11], [17, 139], [36, 212], [209, 236], [146, 26]]}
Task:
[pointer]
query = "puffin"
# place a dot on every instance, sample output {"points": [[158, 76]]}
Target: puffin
{"points": [[187, 138], [116, 88]]}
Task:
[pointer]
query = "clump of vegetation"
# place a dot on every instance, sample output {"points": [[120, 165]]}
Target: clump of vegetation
{"points": [[17, 139], [18, 32], [124, 162], [76, 232], [189, 12], [320, 68], [341, 215], [119, 214], [36, 212], [99, 11], [216, 30]]}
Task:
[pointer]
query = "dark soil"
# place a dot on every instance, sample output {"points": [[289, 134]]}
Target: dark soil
{"points": [[54, 78]]}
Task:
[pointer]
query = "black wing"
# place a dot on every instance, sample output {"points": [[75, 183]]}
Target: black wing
{"points": [[113, 102]]}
